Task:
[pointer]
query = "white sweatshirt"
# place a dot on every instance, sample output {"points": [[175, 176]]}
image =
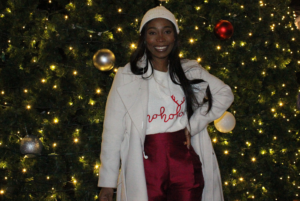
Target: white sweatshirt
{"points": [[166, 105]]}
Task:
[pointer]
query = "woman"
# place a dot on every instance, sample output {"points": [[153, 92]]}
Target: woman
{"points": [[158, 106]]}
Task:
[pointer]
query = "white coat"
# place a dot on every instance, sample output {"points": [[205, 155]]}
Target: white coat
{"points": [[124, 133]]}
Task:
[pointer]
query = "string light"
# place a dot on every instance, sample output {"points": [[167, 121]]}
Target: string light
{"points": [[98, 91], [43, 80], [133, 46], [28, 107], [76, 140], [24, 170], [54, 145], [55, 120], [66, 17], [119, 10], [75, 72]]}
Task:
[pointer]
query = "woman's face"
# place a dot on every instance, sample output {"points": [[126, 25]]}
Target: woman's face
{"points": [[160, 38]]}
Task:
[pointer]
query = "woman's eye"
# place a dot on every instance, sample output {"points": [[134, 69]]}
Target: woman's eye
{"points": [[151, 33], [168, 31]]}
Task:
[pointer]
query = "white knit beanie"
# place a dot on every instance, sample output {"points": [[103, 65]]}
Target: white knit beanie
{"points": [[159, 12]]}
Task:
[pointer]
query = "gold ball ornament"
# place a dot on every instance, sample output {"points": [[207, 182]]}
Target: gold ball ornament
{"points": [[225, 123], [104, 59]]}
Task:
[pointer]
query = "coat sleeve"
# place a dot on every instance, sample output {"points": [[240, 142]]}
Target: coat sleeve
{"points": [[222, 97], [112, 136]]}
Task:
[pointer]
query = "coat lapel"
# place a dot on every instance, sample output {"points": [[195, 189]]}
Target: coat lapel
{"points": [[135, 98]]}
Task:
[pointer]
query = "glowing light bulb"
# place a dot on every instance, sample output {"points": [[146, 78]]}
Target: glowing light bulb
{"points": [[54, 144], [43, 80], [55, 120], [28, 107], [24, 170], [98, 91], [66, 17], [119, 10], [76, 140], [253, 159]]}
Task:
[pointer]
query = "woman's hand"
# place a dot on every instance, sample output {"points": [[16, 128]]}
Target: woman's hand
{"points": [[188, 138], [106, 194]]}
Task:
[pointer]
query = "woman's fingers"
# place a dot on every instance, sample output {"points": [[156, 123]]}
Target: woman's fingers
{"points": [[188, 138], [106, 194]]}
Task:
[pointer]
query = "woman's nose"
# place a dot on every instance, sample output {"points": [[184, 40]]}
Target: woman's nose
{"points": [[160, 37]]}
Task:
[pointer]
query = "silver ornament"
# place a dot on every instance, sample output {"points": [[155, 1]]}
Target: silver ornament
{"points": [[104, 59], [225, 123], [31, 146]]}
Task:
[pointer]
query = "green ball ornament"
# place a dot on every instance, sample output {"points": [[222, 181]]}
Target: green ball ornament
{"points": [[104, 60]]}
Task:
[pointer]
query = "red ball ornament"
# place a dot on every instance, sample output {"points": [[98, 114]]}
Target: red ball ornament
{"points": [[223, 29]]}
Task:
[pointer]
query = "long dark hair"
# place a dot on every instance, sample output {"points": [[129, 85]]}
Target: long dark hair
{"points": [[175, 70]]}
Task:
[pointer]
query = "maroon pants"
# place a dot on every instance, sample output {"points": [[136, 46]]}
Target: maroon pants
{"points": [[173, 172]]}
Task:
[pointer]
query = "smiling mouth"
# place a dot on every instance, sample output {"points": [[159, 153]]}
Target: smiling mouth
{"points": [[161, 48]]}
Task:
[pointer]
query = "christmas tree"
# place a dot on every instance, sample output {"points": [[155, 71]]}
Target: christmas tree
{"points": [[52, 96]]}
